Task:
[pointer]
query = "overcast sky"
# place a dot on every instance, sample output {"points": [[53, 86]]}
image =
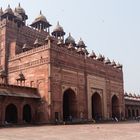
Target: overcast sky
{"points": [[109, 27]]}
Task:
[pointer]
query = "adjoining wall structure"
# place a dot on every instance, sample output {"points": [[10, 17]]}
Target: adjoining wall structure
{"points": [[132, 105], [18, 104], [70, 83]]}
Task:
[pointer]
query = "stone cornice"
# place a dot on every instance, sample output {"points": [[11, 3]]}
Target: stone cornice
{"points": [[30, 52], [87, 59], [29, 65], [4, 86]]}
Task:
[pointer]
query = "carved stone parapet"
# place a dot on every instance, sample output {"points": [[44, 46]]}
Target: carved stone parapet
{"points": [[29, 65]]}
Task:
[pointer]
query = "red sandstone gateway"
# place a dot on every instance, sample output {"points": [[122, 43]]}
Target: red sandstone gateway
{"points": [[54, 79]]}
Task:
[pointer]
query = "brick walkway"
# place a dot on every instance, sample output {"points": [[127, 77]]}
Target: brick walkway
{"points": [[118, 131]]}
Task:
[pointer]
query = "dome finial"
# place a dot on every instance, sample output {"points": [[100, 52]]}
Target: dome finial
{"points": [[15, 10], [20, 10], [8, 10], [57, 23], [81, 43], [40, 12], [1, 11], [69, 40], [58, 30]]}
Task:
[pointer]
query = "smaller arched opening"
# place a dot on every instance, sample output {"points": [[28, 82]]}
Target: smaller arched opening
{"points": [[96, 106], [129, 113], [27, 116], [115, 107], [11, 114], [133, 113]]}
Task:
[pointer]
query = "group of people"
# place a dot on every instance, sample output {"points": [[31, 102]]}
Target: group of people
{"points": [[69, 119], [66, 119]]}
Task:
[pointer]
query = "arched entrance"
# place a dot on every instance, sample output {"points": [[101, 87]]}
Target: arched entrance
{"points": [[11, 114], [133, 113], [129, 113], [115, 107], [96, 106], [27, 117], [69, 105]]}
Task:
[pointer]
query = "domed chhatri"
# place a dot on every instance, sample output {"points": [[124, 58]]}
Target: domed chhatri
{"points": [[81, 47], [69, 40], [113, 64], [58, 31], [100, 58], [41, 17], [119, 66], [92, 55], [81, 43], [8, 14], [126, 94], [21, 76], [19, 9], [19, 19], [1, 11], [8, 10], [130, 95], [41, 22], [18, 16], [107, 61], [21, 12]]}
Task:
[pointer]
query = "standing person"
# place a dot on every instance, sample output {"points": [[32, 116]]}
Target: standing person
{"points": [[81, 116], [70, 118]]}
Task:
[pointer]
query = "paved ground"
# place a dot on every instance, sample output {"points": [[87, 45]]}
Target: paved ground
{"points": [[117, 131]]}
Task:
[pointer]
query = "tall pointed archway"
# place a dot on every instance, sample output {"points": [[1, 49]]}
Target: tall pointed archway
{"points": [[96, 106], [11, 114], [27, 116], [115, 107], [69, 105]]}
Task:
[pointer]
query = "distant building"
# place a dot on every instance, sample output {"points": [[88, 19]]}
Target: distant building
{"points": [[45, 77], [132, 106]]}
